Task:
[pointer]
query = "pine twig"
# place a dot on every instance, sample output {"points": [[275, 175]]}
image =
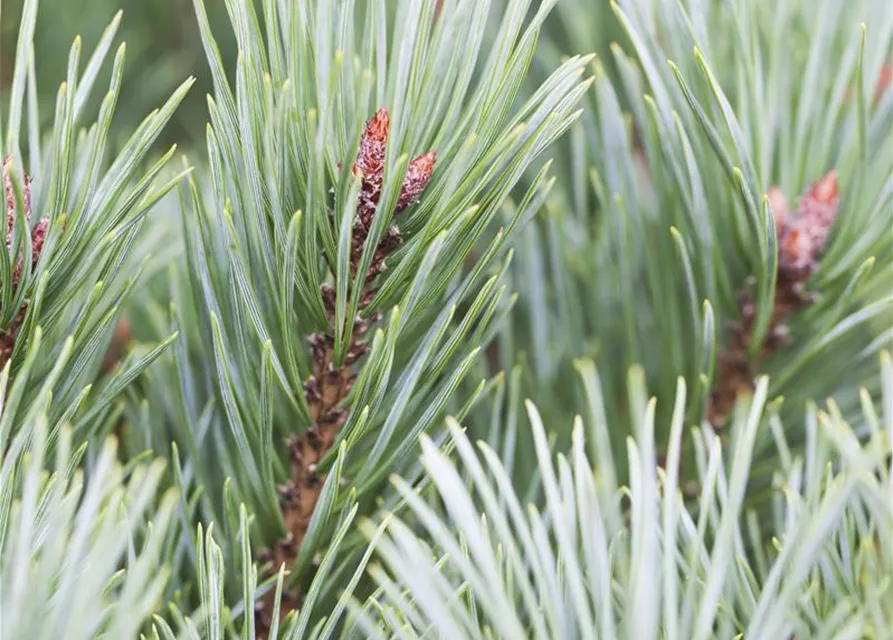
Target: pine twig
{"points": [[329, 385], [801, 239]]}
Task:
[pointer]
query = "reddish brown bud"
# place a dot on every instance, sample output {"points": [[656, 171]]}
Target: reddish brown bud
{"points": [[802, 237], [818, 209], [10, 198], [417, 176], [38, 234], [370, 163], [38, 237], [379, 126], [795, 248], [780, 207], [311, 389], [826, 190], [373, 143]]}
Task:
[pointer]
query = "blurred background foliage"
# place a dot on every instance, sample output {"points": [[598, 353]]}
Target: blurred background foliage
{"points": [[163, 48]]}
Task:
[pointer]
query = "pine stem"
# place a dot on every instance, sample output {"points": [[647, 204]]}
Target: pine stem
{"points": [[802, 238], [328, 387]]}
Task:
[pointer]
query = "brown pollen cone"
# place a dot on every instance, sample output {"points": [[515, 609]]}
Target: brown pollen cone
{"points": [[38, 237], [802, 236], [330, 383]]}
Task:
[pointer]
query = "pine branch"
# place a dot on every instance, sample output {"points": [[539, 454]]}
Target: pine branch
{"points": [[328, 312], [801, 239], [659, 249], [330, 383], [65, 275]]}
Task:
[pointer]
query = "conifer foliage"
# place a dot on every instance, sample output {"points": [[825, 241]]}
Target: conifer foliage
{"points": [[360, 160], [801, 237], [74, 210], [728, 190], [239, 397]]}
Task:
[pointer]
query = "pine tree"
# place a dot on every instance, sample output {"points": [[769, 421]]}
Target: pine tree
{"points": [[240, 395]]}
